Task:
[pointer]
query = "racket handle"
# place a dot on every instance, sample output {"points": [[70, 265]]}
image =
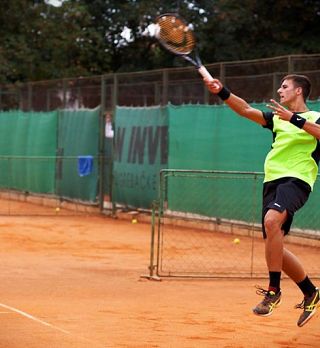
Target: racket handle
{"points": [[205, 73]]}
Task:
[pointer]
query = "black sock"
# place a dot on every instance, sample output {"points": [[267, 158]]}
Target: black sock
{"points": [[274, 283], [306, 286]]}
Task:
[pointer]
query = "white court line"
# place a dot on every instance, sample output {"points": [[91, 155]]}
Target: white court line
{"points": [[29, 316]]}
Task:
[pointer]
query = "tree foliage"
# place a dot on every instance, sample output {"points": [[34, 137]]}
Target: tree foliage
{"points": [[90, 37]]}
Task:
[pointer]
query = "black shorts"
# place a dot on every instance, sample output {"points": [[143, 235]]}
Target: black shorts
{"points": [[284, 194]]}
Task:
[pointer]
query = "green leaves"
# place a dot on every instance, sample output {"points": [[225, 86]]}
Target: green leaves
{"points": [[92, 37]]}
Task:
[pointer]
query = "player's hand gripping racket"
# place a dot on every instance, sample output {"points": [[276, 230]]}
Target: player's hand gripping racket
{"points": [[176, 36]]}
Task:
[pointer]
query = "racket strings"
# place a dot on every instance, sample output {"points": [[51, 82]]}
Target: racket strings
{"points": [[176, 35]]}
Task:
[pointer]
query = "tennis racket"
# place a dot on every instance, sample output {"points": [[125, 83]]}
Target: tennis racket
{"points": [[174, 34]]}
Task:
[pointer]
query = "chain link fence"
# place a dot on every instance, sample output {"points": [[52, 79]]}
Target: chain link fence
{"points": [[254, 80], [207, 224]]}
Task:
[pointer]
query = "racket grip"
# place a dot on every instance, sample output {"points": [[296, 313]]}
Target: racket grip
{"points": [[205, 73]]}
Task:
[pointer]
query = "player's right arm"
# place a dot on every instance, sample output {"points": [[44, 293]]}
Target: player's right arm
{"points": [[237, 104]]}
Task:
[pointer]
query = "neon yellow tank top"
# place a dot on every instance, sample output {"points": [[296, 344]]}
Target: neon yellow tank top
{"points": [[295, 153]]}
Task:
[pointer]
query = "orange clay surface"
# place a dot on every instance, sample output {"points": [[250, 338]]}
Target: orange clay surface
{"points": [[74, 281]]}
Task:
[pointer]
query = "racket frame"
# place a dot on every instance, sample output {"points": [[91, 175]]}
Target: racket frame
{"points": [[195, 60]]}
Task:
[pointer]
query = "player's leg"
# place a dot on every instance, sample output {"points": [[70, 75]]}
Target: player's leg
{"points": [[273, 222], [294, 269], [281, 199], [292, 266]]}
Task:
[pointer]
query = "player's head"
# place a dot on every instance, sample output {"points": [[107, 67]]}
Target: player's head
{"points": [[298, 82]]}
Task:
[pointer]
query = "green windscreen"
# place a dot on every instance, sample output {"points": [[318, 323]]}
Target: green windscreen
{"points": [[215, 138], [78, 136], [140, 153], [27, 150]]}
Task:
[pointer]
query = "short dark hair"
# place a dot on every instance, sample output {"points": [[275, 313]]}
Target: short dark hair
{"points": [[300, 81]]}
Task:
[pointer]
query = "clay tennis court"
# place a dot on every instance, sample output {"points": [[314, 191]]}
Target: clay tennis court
{"points": [[75, 281]]}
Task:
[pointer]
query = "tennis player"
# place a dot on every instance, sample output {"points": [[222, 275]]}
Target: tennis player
{"points": [[291, 169]]}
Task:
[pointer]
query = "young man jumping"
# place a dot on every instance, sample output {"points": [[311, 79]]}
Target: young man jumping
{"points": [[291, 169]]}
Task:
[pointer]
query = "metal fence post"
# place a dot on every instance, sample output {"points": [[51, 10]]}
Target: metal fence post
{"points": [[274, 85], [64, 91], [48, 99], [115, 92], [290, 65], [101, 157], [222, 73], [222, 77], [29, 105], [165, 87], [157, 93]]}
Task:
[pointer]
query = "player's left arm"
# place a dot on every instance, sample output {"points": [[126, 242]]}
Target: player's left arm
{"points": [[312, 128]]}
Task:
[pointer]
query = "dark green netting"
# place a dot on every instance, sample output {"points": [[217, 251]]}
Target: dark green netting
{"points": [[78, 135], [39, 152], [140, 153], [215, 138], [200, 138], [26, 142]]}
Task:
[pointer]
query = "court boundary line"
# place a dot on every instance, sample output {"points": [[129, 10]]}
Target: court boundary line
{"points": [[45, 323], [29, 316]]}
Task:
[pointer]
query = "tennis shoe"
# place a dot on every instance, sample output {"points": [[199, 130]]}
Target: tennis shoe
{"points": [[309, 305], [268, 304]]}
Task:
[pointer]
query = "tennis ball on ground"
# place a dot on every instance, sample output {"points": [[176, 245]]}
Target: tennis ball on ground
{"points": [[134, 221], [236, 241], [57, 209]]}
